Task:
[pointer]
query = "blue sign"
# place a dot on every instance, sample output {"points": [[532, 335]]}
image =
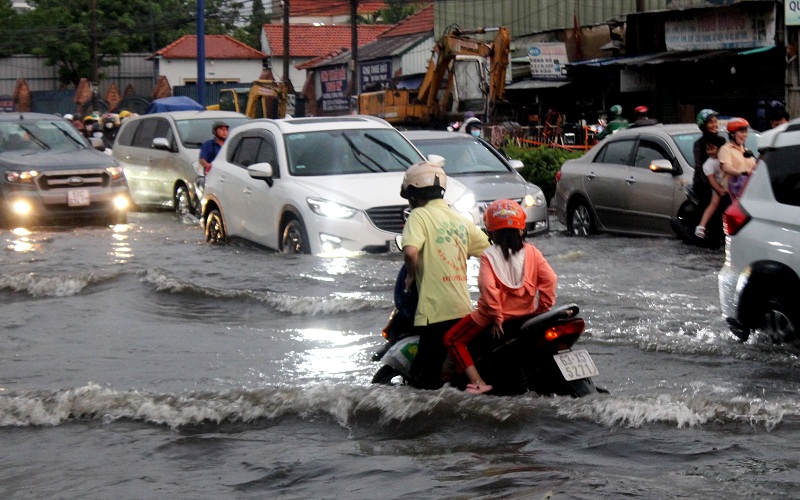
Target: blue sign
{"points": [[374, 74]]}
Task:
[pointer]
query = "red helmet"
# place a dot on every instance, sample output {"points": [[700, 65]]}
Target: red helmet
{"points": [[642, 110], [504, 214], [735, 124]]}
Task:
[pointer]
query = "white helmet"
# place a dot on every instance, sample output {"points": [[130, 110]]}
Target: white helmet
{"points": [[425, 180], [470, 125]]}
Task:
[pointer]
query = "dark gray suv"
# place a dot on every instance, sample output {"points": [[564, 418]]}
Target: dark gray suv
{"points": [[51, 173]]}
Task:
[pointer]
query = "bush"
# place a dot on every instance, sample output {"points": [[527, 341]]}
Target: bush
{"points": [[541, 165]]}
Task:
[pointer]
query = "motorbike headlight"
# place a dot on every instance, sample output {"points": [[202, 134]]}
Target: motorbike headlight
{"points": [[21, 177], [330, 209], [465, 204], [116, 172]]}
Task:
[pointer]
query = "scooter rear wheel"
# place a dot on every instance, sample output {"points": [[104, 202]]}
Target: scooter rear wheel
{"points": [[385, 374]]}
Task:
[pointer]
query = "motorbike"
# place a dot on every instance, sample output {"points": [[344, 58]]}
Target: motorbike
{"points": [[534, 355], [688, 218]]}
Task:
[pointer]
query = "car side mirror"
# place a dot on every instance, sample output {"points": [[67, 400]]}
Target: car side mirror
{"points": [[162, 144], [261, 171], [437, 159], [661, 166], [517, 165]]}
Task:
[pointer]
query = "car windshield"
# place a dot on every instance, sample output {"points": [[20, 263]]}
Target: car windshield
{"points": [[337, 152], [39, 135], [193, 133], [685, 143], [463, 157]]}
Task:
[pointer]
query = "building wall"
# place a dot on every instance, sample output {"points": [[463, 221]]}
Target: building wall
{"points": [[134, 70], [181, 71], [523, 17], [297, 76]]}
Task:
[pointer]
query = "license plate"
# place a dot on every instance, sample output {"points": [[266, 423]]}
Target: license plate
{"points": [[576, 364], [78, 197]]}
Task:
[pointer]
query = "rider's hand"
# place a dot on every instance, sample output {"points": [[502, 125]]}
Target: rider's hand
{"points": [[497, 331]]}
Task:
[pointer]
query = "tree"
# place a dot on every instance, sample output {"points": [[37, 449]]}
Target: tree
{"points": [[396, 11], [250, 34], [61, 31]]}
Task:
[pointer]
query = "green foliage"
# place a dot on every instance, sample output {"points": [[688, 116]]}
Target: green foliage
{"points": [[541, 165], [62, 30], [395, 11]]}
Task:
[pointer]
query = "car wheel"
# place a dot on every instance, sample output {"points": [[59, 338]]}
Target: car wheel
{"points": [[183, 201], [294, 239], [580, 220], [215, 229], [780, 320]]}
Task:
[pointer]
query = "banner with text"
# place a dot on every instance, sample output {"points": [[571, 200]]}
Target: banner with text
{"points": [[333, 80], [548, 60], [374, 74]]}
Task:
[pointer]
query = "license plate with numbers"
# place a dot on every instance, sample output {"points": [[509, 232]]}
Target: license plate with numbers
{"points": [[576, 364], [78, 197]]}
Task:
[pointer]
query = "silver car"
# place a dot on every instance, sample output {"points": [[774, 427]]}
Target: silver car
{"points": [[632, 182], [759, 283], [486, 172], [159, 153]]}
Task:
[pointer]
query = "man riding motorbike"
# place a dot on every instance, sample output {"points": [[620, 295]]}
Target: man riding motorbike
{"points": [[436, 244]]}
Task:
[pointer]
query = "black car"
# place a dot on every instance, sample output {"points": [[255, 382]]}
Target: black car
{"points": [[51, 173]]}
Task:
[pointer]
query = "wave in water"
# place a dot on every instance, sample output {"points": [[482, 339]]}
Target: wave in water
{"points": [[383, 405], [294, 305], [59, 285]]}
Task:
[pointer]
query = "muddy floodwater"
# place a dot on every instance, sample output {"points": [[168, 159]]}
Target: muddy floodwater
{"points": [[140, 362]]}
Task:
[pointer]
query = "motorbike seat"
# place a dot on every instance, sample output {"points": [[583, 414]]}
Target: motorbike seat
{"points": [[562, 312]]}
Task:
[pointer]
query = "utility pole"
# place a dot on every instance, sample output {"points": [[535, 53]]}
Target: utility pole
{"points": [[286, 52], [354, 46], [201, 53], [95, 63]]}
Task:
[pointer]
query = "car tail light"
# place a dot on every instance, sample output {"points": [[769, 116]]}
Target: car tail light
{"points": [[558, 176], [734, 218]]}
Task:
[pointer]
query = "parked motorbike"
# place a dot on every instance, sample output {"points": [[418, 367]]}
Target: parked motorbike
{"points": [[534, 355], [688, 218]]}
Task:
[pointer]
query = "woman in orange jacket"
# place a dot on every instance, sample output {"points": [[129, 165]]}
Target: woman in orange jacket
{"points": [[512, 274]]}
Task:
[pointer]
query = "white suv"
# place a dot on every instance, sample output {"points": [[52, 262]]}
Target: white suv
{"points": [[315, 185], [759, 286]]}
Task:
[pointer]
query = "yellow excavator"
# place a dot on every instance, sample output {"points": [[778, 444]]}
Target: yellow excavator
{"points": [[457, 80], [263, 99]]}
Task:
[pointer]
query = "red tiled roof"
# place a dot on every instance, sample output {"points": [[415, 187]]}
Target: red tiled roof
{"points": [[420, 22], [216, 47], [324, 57], [306, 40], [308, 8]]}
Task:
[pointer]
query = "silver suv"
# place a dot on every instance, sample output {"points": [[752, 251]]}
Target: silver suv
{"points": [[759, 287], [159, 152]]}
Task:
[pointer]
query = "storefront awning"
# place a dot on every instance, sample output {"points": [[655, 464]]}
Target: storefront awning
{"points": [[537, 84], [671, 56]]}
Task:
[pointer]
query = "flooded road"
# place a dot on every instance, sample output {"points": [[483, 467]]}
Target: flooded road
{"points": [[140, 361]]}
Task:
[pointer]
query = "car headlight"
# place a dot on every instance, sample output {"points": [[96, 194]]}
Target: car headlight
{"points": [[465, 203], [21, 177], [116, 172], [534, 200], [330, 209]]}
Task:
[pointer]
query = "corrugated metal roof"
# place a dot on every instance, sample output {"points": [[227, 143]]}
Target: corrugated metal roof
{"points": [[381, 48], [537, 84]]}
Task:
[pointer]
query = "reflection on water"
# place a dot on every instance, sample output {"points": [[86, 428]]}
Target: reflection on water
{"points": [[120, 248], [22, 243], [332, 354]]}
